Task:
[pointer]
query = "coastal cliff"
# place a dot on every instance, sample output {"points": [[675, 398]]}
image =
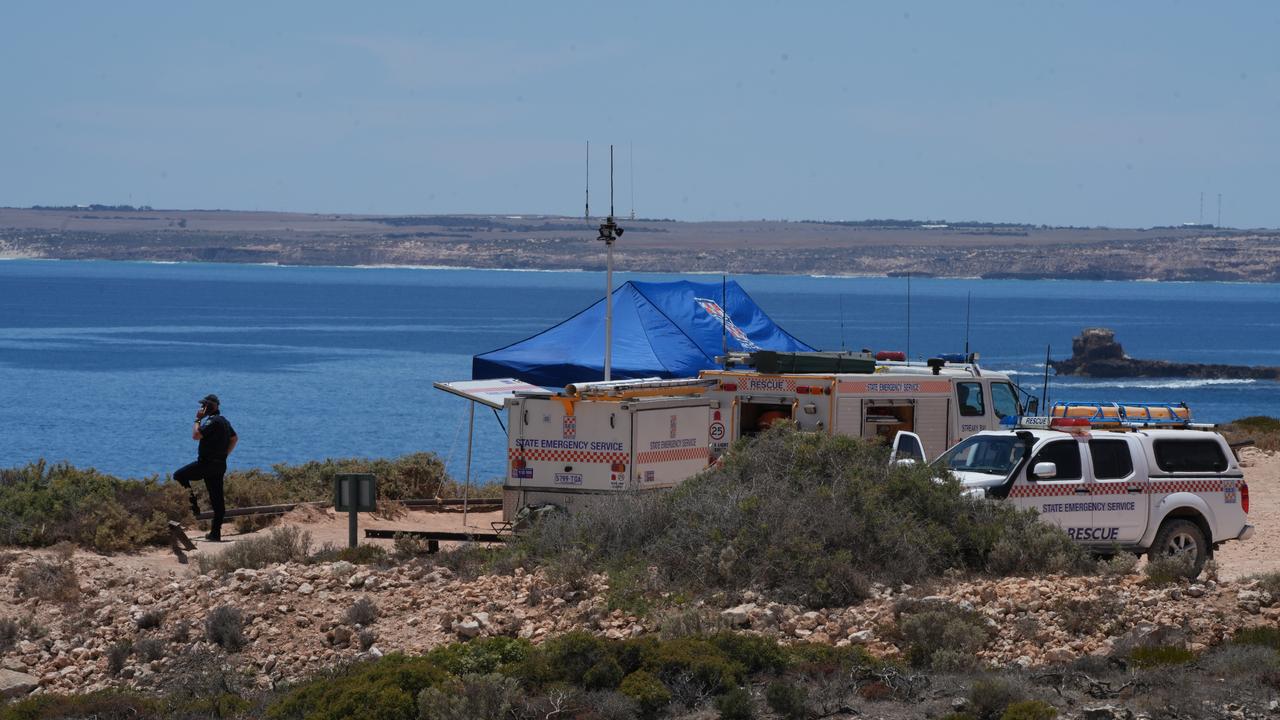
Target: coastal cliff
{"points": [[1096, 353]]}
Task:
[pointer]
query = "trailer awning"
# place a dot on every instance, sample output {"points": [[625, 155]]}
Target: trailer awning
{"points": [[490, 392]]}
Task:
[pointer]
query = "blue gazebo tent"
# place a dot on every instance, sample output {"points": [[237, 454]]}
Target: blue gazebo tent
{"points": [[662, 329]]}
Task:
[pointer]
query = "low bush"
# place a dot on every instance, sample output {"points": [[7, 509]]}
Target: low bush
{"points": [[224, 627], [105, 704], [358, 555], [1265, 636], [735, 705], [362, 612], [1160, 656], [1269, 582], [1241, 660], [1168, 569], [481, 656], [788, 700], [1029, 710], [470, 697], [366, 638], [43, 503], [941, 636], [149, 649], [118, 655], [990, 696], [149, 620], [8, 634], [647, 691], [1105, 614], [386, 689], [288, 543], [1262, 430], [810, 517], [54, 580]]}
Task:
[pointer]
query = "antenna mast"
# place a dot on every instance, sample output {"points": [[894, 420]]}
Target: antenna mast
{"points": [[1044, 392], [908, 317], [631, 167], [609, 233], [1219, 210], [968, 305], [1201, 207], [587, 214], [724, 319]]}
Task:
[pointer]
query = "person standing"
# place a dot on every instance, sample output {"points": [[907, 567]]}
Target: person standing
{"points": [[217, 440]]}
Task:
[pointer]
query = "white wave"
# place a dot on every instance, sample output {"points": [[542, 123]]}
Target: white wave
{"points": [[1153, 384]]}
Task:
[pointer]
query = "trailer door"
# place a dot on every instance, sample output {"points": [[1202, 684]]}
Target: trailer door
{"points": [[670, 444]]}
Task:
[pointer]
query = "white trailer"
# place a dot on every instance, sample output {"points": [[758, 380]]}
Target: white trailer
{"points": [[598, 439], [943, 403]]}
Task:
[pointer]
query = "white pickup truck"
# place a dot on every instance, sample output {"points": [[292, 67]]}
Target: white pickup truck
{"points": [[1155, 491]]}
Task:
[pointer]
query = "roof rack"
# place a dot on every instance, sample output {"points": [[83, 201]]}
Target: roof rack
{"points": [[1111, 414]]}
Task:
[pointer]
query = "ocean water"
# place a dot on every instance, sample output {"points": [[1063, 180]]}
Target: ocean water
{"points": [[101, 363]]}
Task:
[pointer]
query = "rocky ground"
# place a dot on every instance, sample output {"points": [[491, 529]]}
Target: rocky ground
{"points": [[296, 620]]}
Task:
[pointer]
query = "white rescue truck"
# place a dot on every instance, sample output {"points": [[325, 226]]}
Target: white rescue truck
{"points": [[941, 402], [1147, 481], [595, 439]]}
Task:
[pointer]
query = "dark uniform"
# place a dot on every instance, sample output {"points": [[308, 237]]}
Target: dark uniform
{"points": [[211, 466]]}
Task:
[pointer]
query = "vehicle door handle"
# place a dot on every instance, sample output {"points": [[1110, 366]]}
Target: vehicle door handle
{"points": [[1135, 490], [1083, 491]]}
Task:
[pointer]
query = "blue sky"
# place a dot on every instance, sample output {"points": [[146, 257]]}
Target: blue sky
{"points": [[1091, 113]]}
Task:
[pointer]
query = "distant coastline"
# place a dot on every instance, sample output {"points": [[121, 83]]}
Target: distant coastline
{"points": [[562, 244]]}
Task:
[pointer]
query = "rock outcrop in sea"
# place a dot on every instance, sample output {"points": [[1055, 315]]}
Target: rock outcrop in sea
{"points": [[1096, 353]]}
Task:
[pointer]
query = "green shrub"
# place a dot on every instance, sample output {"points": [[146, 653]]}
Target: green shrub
{"points": [[758, 653], [288, 543], [697, 660], [648, 692], [1168, 569], [810, 517], [990, 696], [470, 697], [1105, 614], [1265, 636], [1160, 656], [54, 580], [568, 657], [385, 689], [149, 620], [735, 705], [1262, 430], [1029, 710], [358, 555], [1269, 581], [105, 704], [224, 627], [42, 504], [8, 634], [481, 656], [606, 674], [788, 700], [943, 637]]}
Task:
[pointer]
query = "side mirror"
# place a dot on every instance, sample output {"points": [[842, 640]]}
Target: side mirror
{"points": [[1033, 406], [1045, 470]]}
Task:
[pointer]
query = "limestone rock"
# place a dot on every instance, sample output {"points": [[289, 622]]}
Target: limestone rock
{"points": [[16, 684]]}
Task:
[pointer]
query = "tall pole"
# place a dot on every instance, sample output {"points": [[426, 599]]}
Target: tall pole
{"points": [[609, 233], [1219, 210], [908, 317], [1044, 392], [466, 489], [586, 214]]}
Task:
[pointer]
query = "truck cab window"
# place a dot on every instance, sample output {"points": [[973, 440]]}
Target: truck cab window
{"points": [[970, 396], [1003, 400], [1111, 459], [1063, 453]]}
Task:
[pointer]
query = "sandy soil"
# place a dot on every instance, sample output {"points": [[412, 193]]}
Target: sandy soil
{"points": [[1262, 552]]}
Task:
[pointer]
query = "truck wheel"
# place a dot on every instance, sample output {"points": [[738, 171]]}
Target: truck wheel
{"points": [[1178, 538]]}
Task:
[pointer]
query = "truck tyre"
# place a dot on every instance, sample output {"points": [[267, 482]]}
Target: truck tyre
{"points": [[1180, 537]]}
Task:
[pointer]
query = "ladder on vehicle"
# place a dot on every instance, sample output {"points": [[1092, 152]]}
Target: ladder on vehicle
{"points": [[1104, 414]]}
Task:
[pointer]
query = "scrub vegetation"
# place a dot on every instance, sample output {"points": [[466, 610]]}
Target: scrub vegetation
{"points": [[807, 518], [42, 504], [725, 675]]}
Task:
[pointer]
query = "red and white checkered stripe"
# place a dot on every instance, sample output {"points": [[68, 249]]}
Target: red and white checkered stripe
{"points": [[1155, 487], [659, 456], [570, 456]]}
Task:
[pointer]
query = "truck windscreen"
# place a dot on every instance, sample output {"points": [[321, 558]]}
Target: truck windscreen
{"points": [[990, 454]]}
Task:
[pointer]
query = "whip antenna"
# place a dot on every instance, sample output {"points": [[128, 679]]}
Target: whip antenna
{"points": [[587, 213], [609, 233], [1044, 392], [968, 305]]}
